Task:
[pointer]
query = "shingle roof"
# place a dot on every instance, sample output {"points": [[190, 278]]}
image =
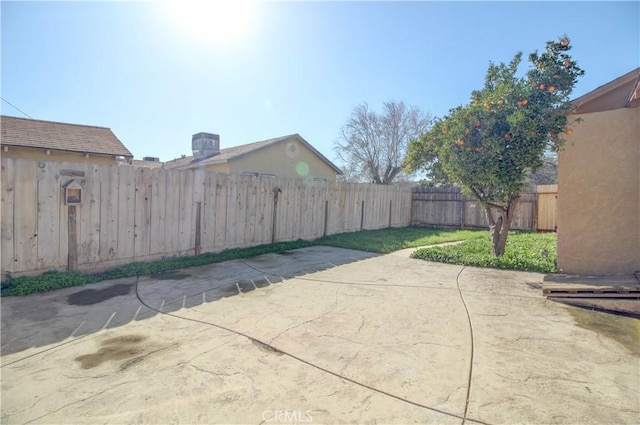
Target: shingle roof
{"points": [[228, 154], [60, 136]]}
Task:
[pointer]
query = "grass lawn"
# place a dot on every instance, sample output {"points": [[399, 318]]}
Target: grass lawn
{"points": [[526, 251], [391, 239]]}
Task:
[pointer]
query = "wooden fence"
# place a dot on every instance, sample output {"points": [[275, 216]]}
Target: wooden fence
{"points": [[433, 206], [138, 214]]}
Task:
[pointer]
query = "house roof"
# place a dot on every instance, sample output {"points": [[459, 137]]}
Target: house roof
{"points": [[236, 152], [40, 134], [623, 92]]}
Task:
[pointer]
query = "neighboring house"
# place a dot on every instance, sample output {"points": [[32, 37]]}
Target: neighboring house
{"points": [[288, 156], [55, 141], [599, 182]]}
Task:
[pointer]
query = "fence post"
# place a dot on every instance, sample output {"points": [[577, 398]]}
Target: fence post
{"points": [[390, 204], [362, 216]]}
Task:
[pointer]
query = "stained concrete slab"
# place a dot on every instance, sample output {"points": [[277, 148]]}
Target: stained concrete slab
{"points": [[364, 339]]}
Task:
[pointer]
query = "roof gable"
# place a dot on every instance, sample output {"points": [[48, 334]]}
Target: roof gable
{"points": [[40, 134], [236, 152], [623, 92]]}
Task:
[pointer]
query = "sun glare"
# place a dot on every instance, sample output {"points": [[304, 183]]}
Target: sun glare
{"points": [[215, 21]]}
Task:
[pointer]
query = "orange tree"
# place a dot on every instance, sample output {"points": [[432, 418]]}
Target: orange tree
{"points": [[489, 146]]}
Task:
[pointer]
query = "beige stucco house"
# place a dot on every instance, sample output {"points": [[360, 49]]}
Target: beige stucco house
{"points": [[599, 182], [56, 141], [287, 156]]}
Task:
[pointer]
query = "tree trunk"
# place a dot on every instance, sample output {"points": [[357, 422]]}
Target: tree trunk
{"points": [[500, 227]]}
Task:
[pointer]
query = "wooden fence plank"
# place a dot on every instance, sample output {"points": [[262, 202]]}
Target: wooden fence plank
{"points": [[7, 215], [158, 213], [172, 212], [209, 213], [48, 215], [89, 215], [126, 212], [232, 212], [109, 193], [186, 236], [221, 211], [143, 212], [25, 215]]}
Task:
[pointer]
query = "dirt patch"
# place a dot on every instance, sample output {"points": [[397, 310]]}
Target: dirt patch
{"points": [[119, 348], [624, 330], [94, 296]]}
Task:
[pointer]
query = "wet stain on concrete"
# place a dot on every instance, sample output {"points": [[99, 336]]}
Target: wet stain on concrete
{"points": [[37, 312], [173, 275], [624, 330], [94, 296], [118, 348]]}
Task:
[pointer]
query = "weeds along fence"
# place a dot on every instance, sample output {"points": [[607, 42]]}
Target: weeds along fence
{"points": [[449, 207], [127, 214]]}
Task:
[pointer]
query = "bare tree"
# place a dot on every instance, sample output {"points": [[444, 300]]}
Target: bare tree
{"points": [[372, 146]]}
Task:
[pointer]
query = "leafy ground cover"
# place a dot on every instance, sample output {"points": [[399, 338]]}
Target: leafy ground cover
{"points": [[50, 280], [526, 251]]}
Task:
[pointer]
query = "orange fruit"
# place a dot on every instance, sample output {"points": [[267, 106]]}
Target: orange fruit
{"points": [[551, 89], [507, 135], [542, 86], [564, 42], [445, 131], [461, 142], [500, 102], [566, 63], [524, 102], [569, 131], [466, 131], [486, 105], [539, 66], [478, 149]]}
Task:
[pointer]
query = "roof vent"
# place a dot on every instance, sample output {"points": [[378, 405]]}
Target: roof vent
{"points": [[205, 145], [151, 159]]}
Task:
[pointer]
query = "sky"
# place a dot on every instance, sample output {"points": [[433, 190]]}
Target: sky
{"points": [[156, 73]]}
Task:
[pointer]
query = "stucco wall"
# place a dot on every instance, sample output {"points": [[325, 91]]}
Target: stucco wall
{"points": [[290, 159], [54, 155], [599, 195]]}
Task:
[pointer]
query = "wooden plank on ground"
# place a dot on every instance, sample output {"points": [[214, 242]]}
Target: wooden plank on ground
{"points": [[601, 289]]}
